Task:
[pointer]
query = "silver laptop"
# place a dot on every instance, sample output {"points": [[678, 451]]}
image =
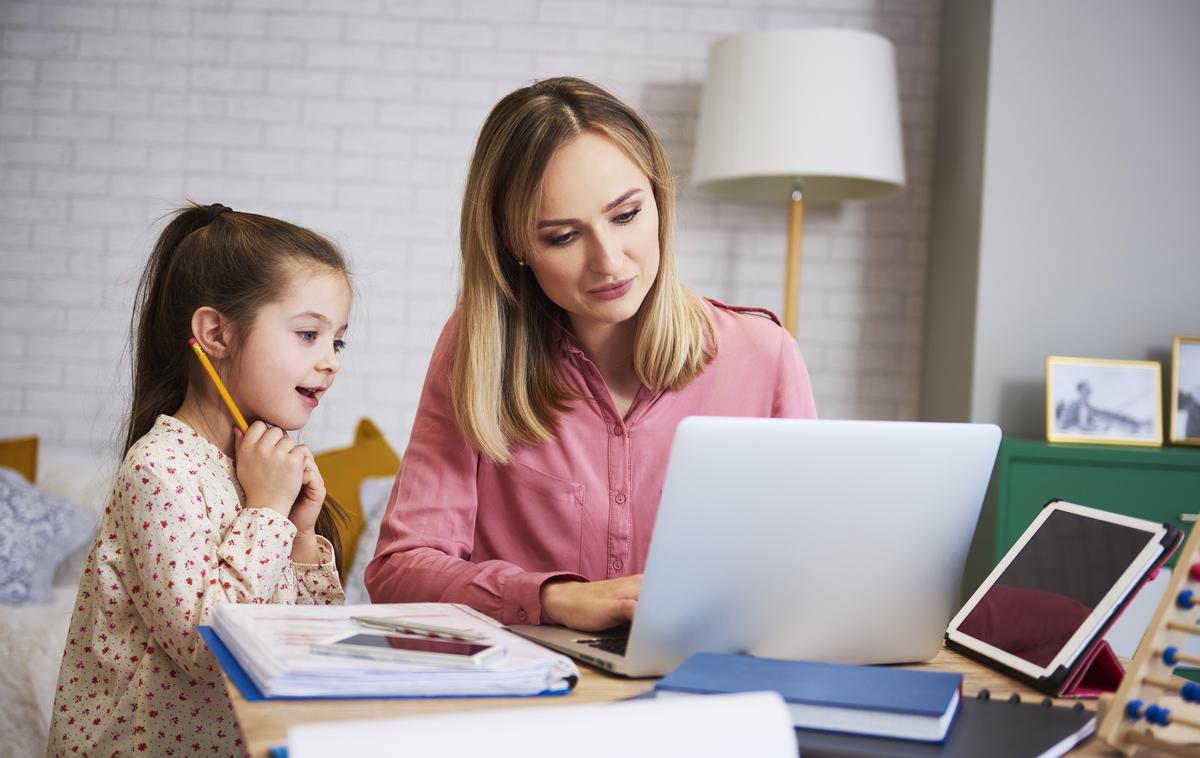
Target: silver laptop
{"points": [[838, 541]]}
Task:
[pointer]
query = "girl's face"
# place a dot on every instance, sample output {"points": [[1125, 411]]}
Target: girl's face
{"points": [[289, 357], [597, 230]]}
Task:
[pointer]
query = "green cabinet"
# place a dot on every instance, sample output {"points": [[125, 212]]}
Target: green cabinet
{"points": [[1159, 484]]}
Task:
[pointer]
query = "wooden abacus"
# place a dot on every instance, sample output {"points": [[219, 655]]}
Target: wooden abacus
{"points": [[1142, 714]]}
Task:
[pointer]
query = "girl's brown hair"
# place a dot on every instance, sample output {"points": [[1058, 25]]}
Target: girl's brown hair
{"points": [[505, 385], [234, 263]]}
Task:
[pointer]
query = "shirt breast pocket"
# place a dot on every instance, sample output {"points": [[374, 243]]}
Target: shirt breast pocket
{"points": [[529, 518]]}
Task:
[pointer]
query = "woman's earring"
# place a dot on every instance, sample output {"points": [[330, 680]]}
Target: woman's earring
{"points": [[521, 262]]}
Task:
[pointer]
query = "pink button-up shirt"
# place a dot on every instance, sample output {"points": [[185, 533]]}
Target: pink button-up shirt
{"points": [[460, 528]]}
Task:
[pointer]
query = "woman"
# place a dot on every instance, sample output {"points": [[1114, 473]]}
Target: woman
{"points": [[536, 463]]}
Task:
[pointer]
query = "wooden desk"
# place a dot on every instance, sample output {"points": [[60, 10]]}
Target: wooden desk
{"points": [[265, 723]]}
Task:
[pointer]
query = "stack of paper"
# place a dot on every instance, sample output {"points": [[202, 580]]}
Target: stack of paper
{"points": [[273, 643]]}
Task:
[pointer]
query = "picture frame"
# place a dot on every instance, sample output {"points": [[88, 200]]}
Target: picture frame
{"points": [[1185, 390], [1103, 401]]}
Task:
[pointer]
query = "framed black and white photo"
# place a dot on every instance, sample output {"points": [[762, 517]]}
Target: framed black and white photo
{"points": [[1102, 401], [1185, 391]]}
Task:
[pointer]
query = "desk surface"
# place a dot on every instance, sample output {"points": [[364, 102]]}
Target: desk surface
{"points": [[265, 723]]}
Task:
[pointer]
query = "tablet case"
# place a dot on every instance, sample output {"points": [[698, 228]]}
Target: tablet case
{"points": [[1097, 670]]}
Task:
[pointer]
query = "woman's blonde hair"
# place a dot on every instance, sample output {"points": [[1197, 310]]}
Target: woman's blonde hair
{"points": [[505, 383]]}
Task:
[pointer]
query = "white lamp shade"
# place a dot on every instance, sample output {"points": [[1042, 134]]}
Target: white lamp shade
{"points": [[814, 107]]}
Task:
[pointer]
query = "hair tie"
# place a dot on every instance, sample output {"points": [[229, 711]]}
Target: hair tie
{"points": [[216, 209]]}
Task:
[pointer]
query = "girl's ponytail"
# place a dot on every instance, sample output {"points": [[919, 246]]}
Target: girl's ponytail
{"points": [[159, 361]]}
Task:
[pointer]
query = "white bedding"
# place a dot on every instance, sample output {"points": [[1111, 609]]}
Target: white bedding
{"points": [[32, 637], [31, 647]]}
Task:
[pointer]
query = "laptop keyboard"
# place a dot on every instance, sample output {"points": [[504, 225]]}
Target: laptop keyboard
{"points": [[614, 645]]}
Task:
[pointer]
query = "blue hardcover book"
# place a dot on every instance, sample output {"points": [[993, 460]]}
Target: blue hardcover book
{"points": [[874, 700]]}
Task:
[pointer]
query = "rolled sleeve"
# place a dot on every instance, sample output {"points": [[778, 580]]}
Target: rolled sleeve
{"points": [[522, 596]]}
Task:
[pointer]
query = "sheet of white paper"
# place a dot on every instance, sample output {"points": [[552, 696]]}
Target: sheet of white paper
{"points": [[715, 726]]}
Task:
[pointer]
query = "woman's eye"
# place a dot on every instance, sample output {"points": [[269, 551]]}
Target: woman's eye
{"points": [[562, 239], [628, 216], [308, 336], [339, 345]]}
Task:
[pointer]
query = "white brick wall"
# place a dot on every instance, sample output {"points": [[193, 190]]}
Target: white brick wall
{"points": [[357, 118]]}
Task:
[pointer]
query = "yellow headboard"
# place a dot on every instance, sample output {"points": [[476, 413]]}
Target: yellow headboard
{"points": [[20, 453], [344, 470]]}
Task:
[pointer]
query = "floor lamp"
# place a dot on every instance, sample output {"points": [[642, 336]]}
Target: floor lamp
{"points": [[808, 113]]}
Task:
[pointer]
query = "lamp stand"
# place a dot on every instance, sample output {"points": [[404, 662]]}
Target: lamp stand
{"points": [[791, 281]]}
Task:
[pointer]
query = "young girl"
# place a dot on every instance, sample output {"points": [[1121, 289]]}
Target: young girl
{"points": [[537, 456], [201, 514]]}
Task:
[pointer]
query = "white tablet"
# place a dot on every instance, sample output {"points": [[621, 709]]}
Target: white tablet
{"points": [[1058, 588]]}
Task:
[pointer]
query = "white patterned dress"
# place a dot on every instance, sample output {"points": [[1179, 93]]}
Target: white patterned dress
{"points": [[175, 539]]}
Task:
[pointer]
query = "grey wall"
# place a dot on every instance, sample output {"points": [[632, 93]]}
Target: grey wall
{"points": [[1087, 221], [953, 268]]}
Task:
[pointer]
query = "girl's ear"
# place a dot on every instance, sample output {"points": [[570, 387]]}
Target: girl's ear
{"points": [[213, 331]]}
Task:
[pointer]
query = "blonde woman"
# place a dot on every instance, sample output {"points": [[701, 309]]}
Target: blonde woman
{"points": [[536, 462]]}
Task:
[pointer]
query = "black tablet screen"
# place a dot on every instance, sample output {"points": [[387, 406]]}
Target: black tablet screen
{"points": [[1053, 585]]}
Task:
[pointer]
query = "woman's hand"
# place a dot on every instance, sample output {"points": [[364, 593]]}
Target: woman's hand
{"points": [[591, 606], [269, 467]]}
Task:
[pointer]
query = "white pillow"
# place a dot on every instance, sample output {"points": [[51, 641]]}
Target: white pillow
{"points": [[373, 496], [85, 482]]}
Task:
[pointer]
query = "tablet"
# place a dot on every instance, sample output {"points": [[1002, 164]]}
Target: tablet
{"points": [[1058, 588]]}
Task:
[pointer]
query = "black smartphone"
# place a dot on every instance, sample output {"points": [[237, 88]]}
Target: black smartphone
{"points": [[407, 648]]}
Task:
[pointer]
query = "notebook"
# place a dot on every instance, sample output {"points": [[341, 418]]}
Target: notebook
{"points": [[875, 700], [991, 728], [267, 652], [801, 539]]}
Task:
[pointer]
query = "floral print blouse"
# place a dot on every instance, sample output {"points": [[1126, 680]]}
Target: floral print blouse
{"points": [[175, 539]]}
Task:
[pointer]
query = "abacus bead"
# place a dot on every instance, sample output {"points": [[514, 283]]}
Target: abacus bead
{"points": [[1171, 655], [1194, 572], [1164, 716], [1190, 692], [1133, 709], [1184, 599]]}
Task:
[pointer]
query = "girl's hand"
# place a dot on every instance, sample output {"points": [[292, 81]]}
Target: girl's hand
{"points": [[269, 467], [591, 606], [306, 509], [311, 498]]}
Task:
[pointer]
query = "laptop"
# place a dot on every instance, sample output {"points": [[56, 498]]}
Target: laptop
{"points": [[839, 541]]}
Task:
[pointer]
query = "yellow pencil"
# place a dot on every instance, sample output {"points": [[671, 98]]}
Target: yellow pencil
{"points": [[212, 374]]}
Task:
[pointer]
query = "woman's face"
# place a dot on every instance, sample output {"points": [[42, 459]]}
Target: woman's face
{"points": [[597, 250]]}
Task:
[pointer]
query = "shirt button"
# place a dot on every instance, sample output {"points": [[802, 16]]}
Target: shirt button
{"points": [[618, 431], [522, 615], [620, 498], [618, 565]]}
